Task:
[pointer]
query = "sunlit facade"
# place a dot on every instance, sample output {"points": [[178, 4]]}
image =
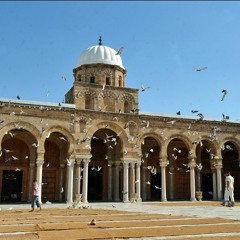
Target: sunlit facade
{"points": [[98, 146]]}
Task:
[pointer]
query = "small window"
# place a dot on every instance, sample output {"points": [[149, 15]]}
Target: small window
{"points": [[126, 107], [120, 81], [107, 81], [79, 78], [92, 79], [87, 103]]}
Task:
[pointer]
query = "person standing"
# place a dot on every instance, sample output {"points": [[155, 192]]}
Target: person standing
{"points": [[229, 190], [35, 196]]}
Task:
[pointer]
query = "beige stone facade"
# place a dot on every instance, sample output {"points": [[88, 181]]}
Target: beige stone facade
{"points": [[98, 145]]}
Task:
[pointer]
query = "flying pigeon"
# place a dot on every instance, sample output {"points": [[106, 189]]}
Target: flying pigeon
{"points": [[200, 69], [143, 88], [224, 91], [119, 51]]}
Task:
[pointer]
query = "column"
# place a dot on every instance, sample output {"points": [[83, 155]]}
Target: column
{"points": [[132, 180], [198, 180], [125, 182], [219, 181], [138, 184], [144, 183], [77, 180], [116, 182], [214, 185], [192, 166], [39, 177], [109, 182], [61, 186], [85, 180], [171, 183], [70, 181], [30, 180], [163, 165]]}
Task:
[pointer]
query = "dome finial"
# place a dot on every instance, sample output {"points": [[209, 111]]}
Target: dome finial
{"points": [[100, 41]]}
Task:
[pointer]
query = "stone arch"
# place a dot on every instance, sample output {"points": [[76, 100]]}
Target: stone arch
{"points": [[231, 161], [150, 134], [178, 180], [150, 146], [185, 139], [235, 141], [112, 126], [127, 101], [21, 126], [62, 131]]}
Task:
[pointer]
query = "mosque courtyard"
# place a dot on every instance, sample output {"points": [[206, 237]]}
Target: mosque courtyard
{"points": [[148, 220]]}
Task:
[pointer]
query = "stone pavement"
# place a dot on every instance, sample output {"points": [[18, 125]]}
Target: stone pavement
{"points": [[188, 209], [200, 210]]}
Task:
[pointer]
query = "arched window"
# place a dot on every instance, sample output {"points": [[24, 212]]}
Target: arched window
{"points": [[92, 79], [127, 107], [120, 81], [107, 80], [87, 102], [79, 78]]}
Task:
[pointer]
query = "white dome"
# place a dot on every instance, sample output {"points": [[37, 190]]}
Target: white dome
{"points": [[100, 54]]}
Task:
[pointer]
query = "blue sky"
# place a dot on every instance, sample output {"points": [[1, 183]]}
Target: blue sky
{"points": [[163, 41]]}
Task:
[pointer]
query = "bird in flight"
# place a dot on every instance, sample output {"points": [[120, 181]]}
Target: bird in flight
{"points": [[201, 69], [225, 92], [119, 51], [143, 88], [194, 111], [64, 78]]}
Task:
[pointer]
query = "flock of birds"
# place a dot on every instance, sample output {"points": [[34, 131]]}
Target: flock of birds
{"points": [[111, 140]]}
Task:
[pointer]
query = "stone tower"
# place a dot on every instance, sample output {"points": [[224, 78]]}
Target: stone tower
{"points": [[99, 82]]}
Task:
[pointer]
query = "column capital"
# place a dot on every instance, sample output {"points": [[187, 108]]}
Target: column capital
{"points": [[117, 163], [163, 163], [138, 163], [125, 164], [132, 164], [40, 162], [78, 161], [192, 162], [31, 165], [86, 161], [216, 163], [70, 162]]}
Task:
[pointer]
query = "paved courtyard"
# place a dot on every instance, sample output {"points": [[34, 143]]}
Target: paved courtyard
{"points": [[148, 220]]}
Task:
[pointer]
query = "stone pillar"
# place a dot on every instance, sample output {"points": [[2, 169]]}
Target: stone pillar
{"points": [[70, 181], [110, 182], [138, 183], [214, 185], [61, 193], [125, 181], [116, 182], [198, 180], [85, 180], [192, 166], [132, 180], [144, 183], [39, 177], [77, 180], [171, 183], [31, 171], [163, 165], [219, 181]]}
